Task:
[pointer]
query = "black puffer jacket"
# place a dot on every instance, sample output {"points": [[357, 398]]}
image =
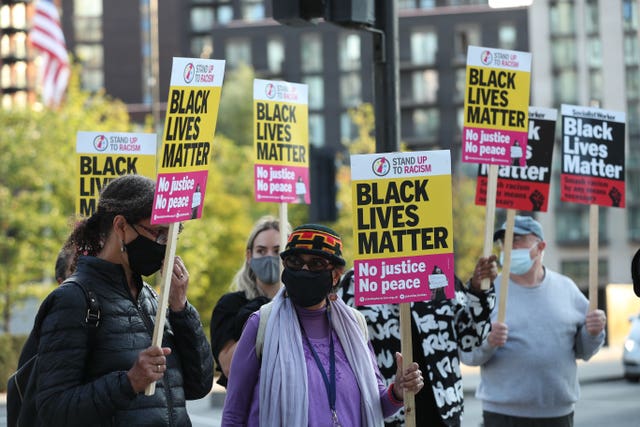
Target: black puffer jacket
{"points": [[78, 386]]}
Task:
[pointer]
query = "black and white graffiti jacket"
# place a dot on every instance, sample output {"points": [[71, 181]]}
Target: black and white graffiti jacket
{"points": [[439, 330]]}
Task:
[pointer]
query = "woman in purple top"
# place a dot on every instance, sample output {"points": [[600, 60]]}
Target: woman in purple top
{"points": [[308, 362]]}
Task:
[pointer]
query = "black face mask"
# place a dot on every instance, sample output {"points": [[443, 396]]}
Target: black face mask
{"points": [[307, 288], [145, 255]]}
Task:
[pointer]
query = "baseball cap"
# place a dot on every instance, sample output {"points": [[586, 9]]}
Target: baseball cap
{"points": [[522, 225]]}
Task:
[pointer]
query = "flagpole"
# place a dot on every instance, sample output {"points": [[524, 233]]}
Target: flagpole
{"points": [[155, 67]]}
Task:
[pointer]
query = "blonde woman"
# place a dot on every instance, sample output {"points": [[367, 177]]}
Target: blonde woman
{"points": [[255, 283]]}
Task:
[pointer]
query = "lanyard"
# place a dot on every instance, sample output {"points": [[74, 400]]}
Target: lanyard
{"points": [[330, 380]]}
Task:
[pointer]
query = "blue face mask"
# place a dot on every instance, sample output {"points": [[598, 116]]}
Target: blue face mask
{"points": [[521, 261]]}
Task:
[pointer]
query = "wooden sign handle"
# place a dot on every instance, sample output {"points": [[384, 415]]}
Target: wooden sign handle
{"points": [[492, 188], [593, 257], [163, 303], [506, 266], [406, 348]]}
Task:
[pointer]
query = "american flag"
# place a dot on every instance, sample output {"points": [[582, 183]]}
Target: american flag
{"points": [[46, 35]]}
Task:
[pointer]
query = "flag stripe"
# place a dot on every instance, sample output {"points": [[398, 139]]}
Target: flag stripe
{"points": [[46, 35]]}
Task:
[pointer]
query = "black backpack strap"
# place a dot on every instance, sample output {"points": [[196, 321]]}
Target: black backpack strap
{"points": [[93, 305]]}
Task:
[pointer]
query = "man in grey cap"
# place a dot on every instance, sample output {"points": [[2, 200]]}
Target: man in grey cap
{"points": [[528, 374]]}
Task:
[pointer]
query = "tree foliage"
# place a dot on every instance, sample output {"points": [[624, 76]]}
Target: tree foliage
{"points": [[37, 188]]}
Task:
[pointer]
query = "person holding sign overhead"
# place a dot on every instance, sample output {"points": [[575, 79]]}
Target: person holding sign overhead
{"points": [[304, 359], [441, 328], [528, 373], [99, 376], [257, 281]]}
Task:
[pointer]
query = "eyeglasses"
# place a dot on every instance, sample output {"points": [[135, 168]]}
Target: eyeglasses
{"points": [[314, 264], [160, 236]]}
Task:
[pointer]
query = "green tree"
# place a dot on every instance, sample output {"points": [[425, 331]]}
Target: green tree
{"points": [[37, 188], [236, 106]]}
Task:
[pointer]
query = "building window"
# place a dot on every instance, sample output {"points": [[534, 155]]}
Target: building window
{"points": [[507, 37], [425, 86], [634, 222], [426, 123], [275, 54], [578, 271], [316, 91], [202, 19], [222, 10], [633, 184], [13, 16], [427, 4], [350, 90], [629, 15], [252, 10], [465, 36], [87, 8], [6, 79], [316, 130], [633, 123], [565, 85], [5, 16], [92, 80], [406, 4], [459, 120], [90, 55], [202, 47], [633, 84], [424, 47], [89, 37], [572, 224], [238, 52], [349, 52], [311, 53], [596, 83], [461, 81], [562, 18], [13, 46], [348, 129], [631, 53], [563, 52], [594, 52], [591, 17]]}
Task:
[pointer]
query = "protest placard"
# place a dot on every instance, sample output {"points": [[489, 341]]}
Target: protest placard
{"points": [[187, 146], [281, 141], [495, 118], [592, 172], [593, 144], [403, 227], [525, 187], [103, 156], [187, 140]]}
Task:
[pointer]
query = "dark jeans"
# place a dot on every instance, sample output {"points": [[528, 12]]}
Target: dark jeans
{"points": [[491, 419]]}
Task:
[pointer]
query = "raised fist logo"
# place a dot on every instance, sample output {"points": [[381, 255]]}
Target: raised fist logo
{"points": [[616, 196], [537, 200]]}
